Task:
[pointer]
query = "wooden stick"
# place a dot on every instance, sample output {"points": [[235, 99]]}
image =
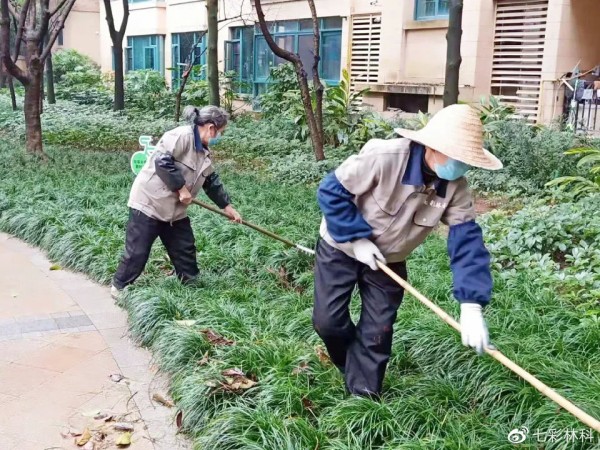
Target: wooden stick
{"points": [[497, 355], [256, 227]]}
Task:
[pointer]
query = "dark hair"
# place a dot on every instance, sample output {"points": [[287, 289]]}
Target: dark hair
{"points": [[208, 114]]}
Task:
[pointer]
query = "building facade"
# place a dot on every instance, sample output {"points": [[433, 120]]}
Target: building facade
{"points": [[515, 49], [82, 29]]}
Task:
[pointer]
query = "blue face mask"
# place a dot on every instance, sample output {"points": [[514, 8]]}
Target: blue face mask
{"points": [[215, 140], [452, 170]]}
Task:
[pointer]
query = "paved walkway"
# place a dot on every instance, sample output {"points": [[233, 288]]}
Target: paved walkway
{"points": [[63, 349]]}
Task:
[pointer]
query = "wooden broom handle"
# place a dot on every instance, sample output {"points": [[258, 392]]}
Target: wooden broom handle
{"points": [[497, 355]]}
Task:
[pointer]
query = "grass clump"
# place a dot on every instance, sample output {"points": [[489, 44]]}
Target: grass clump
{"points": [[253, 314]]}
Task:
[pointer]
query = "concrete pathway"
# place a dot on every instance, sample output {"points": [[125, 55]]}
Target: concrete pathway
{"points": [[63, 349]]}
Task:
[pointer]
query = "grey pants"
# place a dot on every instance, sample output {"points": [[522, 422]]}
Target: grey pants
{"points": [[142, 231], [360, 351]]}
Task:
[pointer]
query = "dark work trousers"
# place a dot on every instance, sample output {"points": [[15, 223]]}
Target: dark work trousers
{"points": [[360, 351], [142, 231]]}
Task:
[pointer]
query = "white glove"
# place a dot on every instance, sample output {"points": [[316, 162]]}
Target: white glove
{"points": [[473, 327], [367, 253]]}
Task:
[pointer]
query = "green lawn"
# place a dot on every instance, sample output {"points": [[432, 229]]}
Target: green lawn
{"points": [[257, 294]]}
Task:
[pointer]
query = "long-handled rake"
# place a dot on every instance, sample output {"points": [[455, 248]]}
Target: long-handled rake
{"points": [[493, 352]]}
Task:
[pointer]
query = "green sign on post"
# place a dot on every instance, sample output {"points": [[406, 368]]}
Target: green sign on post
{"points": [[139, 158]]}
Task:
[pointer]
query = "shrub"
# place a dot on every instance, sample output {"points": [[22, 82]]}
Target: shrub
{"points": [[301, 167], [282, 93], [69, 61], [558, 242], [195, 93], [67, 123], [532, 155], [146, 93], [582, 185], [79, 79], [247, 137]]}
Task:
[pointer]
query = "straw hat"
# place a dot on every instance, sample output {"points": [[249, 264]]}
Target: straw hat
{"points": [[457, 132]]}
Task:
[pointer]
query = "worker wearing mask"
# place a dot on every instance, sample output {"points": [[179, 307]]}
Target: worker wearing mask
{"points": [[380, 205], [174, 175]]}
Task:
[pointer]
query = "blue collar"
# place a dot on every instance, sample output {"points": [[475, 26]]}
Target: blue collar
{"points": [[198, 145], [413, 175]]}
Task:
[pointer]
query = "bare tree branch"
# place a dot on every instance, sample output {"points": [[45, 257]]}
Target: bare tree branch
{"points": [[317, 85], [12, 10], [44, 22], [125, 18], [110, 20], [8, 62], [284, 54], [60, 25], [58, 7], [33, 16], [20, 29], [186, 73]]}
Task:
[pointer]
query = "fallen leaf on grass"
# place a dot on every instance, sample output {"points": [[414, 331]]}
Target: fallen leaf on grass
{"points": [[122, 426], [116, 377], [179, 419], [215, 338], [204, 360], [308, 405], [284, 279], [84, 439], [233, 373], [323, 356], [124, 440], [236, 380], [238, 383], [302, 368], [185, 323], [163, 401]]}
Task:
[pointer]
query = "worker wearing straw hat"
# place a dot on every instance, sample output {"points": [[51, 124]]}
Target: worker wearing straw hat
{"points": [[380, 205]]}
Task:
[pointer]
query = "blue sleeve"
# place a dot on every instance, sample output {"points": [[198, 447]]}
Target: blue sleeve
{"points": [[344, 221], [470, 263]]}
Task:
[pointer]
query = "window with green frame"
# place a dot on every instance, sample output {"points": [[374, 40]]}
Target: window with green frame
{"points": [[145, 52], [239, 58], [431, 9], [181, 48], [248, 53]]}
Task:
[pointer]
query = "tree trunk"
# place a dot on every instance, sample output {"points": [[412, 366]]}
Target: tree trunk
{"points": [[119, 77], [50, 94], [13, 95], [316, 136], [313, 119], [453, 58], [33, 123], [3, 77], [212, 7], [317, 85], [42, 90], [182, 84]]}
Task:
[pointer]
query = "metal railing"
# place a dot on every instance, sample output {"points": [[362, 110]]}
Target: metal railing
{"points": [[582, 111]]}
